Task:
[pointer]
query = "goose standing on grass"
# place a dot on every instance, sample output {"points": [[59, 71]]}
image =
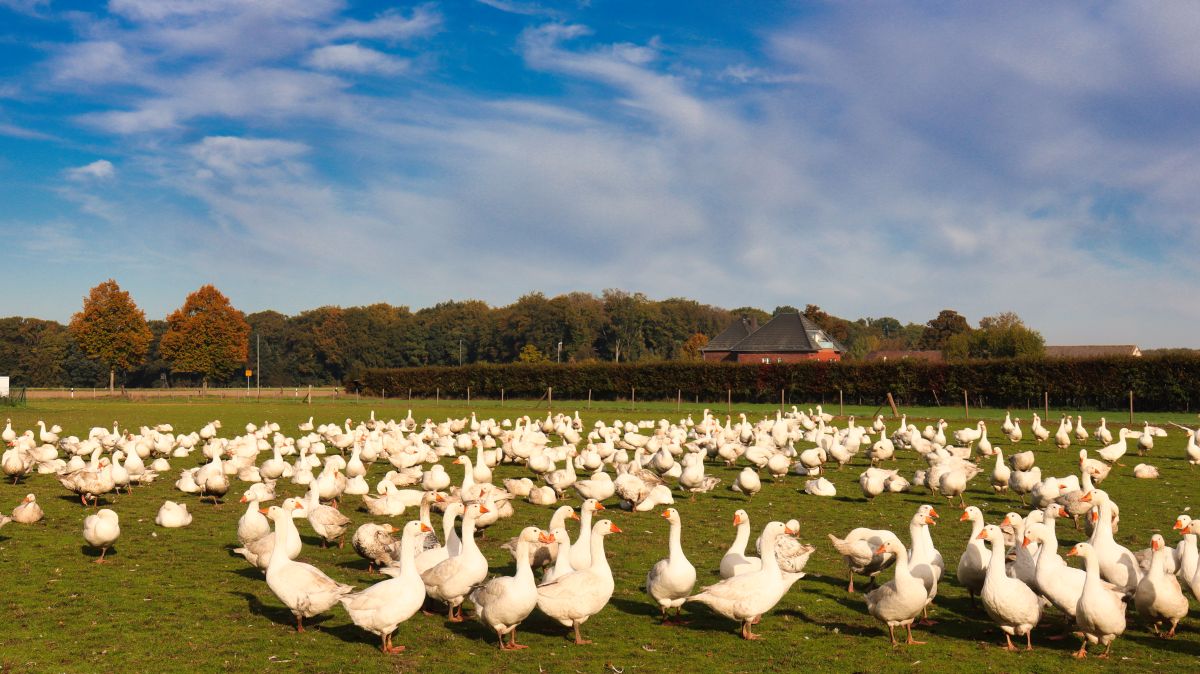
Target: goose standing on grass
{"points": [[329, 523], [381, 608], [1117, 564], [562, 565], [1009, 602], [735, 560], [973, 564], [581, 549], [101, 531], [1100, 614], [543, 553], [374, 543], [863, 554], [747, 482], [748, 596], [898, 602], [574, 597], [671, 580], [503, 603], [258, 551], [451, 580], [303, 588], [924, 560], [1158, 597], [1001, 474]]}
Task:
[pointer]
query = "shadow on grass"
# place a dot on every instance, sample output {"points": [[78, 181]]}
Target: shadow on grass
{"points": [[94, 553], [280, 615]]}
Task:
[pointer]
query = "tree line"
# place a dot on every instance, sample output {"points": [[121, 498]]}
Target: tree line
{"points": [[110, 342]]}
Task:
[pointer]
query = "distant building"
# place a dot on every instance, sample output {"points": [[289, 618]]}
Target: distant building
{"points": [[787, 338], [933, 356], [1093, 351]]}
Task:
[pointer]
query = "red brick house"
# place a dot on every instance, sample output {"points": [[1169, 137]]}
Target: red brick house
{"points": [[787, 338]]}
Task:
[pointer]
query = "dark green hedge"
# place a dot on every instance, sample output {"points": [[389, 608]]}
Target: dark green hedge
{"points": [[1169, 382]]}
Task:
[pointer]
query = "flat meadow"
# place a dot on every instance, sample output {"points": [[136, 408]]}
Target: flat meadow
{"points": [[178, 600]]}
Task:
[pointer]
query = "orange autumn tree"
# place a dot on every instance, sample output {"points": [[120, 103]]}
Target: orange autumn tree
{"points": [[111, 329], [206, 336]]}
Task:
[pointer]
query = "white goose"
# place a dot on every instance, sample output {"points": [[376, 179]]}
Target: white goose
{"points": [[671, 580], [381, 608], [735, 561], [574, 597], [101, 531], [1009, 602], [1060, 584], [451, 580], [1100, 614], [503, 603], [1158, 597], [29, 512], [303, 588], [173, 515], [973, 564], [924, 560], [746, 597], [1117, 564], [863, 554], [258, 551], [898, 602], [581, 549]]}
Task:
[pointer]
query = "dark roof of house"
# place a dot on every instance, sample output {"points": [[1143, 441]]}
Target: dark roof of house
{"points": [[736, 332], [786, 333], [1092, 351], [931, 356]]}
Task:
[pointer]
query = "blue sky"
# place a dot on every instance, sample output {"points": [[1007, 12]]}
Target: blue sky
{"points": [[873, 158]]}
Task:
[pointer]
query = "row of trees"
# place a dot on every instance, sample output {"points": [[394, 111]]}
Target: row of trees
{"points": [[208, 340]]}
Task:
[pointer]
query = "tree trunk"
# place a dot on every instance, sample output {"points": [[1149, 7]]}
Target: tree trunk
{"points": [[112, 377]]}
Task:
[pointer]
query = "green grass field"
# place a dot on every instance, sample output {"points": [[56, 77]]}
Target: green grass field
{"points": [[178, 600]]}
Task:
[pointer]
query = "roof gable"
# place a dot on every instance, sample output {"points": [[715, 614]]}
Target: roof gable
{"points": [[736, 332]]}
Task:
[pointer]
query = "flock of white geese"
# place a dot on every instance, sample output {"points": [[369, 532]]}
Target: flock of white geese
{"points": [[1013, 567]]}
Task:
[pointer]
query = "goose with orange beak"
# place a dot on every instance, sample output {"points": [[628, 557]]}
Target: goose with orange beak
{"points": [[671, 580], [1012, 605], [1100, 613], [574, 597], [898, 602], [303, 588], [381, 608], [748, 596], [924, 560], [503, 603], [451, 580], [1158, 597]]}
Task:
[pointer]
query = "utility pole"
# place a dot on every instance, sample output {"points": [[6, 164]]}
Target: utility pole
{"points": [[460, 352], [559, 359], [258, 364]]}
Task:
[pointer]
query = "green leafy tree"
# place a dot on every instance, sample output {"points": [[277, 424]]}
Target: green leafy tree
{"points": [[531, 354], [206, 336], [939, 330], [111, 329]]}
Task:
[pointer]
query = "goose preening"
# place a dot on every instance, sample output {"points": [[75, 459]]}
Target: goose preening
{"points": [[101, 530]]}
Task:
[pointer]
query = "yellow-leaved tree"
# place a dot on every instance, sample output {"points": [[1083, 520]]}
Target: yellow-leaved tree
{"points": [[112, 329], [206, 336]]}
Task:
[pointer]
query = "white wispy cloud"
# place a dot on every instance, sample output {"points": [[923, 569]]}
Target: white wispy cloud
{"points": [[517, 7], [392, 25], [101, 169], [355, 58]]}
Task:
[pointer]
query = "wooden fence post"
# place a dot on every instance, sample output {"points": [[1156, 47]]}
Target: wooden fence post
{"points": [[437, 395], [781, 403], [966, 405], [678, 399], [549, 397], [589, 399], [729, 401], [468, 396], [1131, 407], [1046, 400], [841, 404], [892, 404], [633, 398]]}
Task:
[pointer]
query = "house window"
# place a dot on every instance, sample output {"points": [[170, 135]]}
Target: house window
{"points": [[817, 337]]}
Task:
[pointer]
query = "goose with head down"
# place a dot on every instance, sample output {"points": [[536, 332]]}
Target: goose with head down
{"points": [[746, 597]]}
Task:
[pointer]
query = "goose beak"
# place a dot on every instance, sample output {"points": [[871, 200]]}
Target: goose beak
{"points": [[296, 505], [881, 549], [600, 506], [790, 531], [1095, 515], [933, 513], [483, 510], [437, 496], [263, 510], [615, 529], [426, 527], [574, 515], [1178, 525], [965, 517], [1074, 552], [544, 537], [1025, 542], [982, 534], [1007, 522], [737, 519], [1086, 497], [666, 514], [458, 461], [242, 500], [1155, 545]]}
